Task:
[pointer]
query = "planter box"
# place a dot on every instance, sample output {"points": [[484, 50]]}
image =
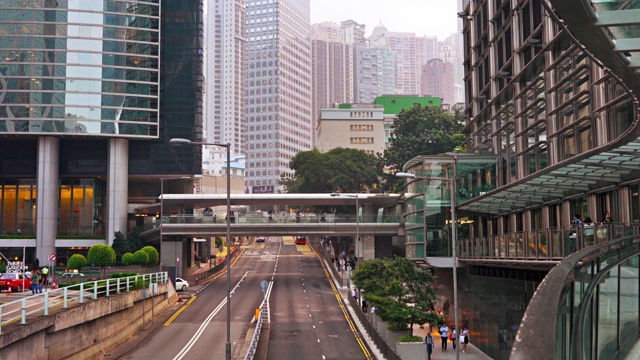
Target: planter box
{"points": [[411, 350], [392, 337]]}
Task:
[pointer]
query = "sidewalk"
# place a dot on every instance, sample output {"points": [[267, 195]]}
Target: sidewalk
{"points": [[473, 353]]}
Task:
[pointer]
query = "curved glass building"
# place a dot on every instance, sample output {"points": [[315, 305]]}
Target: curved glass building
{"points": [[91, 91]]}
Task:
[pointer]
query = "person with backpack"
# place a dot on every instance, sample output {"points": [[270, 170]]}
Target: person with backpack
{"points": [[428, 340]]}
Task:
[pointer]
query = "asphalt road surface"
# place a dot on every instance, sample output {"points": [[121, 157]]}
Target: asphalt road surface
{"points": [[307, 321]]}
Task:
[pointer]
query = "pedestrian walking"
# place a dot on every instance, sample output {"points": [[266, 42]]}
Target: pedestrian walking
{"points": [[323, 217], [429, 341], [364, 306], [270, 216], [297, 216], [453, 336], [464, 338], [444, 336]]}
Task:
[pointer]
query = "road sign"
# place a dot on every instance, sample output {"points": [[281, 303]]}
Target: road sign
{"points": [[52, 257]]}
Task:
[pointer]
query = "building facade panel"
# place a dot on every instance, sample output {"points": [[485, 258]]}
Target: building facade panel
{"points": [[83, 68]]}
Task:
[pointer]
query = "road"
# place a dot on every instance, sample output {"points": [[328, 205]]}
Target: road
{"points": [[307, 321]]}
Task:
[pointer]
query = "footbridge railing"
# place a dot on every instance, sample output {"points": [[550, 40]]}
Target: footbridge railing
{"points": [[587, 307]]}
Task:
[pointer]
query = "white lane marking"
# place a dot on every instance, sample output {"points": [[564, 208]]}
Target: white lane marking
{"points": [[318, 340], [204, 324]]}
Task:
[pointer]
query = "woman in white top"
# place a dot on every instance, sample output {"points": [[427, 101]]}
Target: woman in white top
{"points": [[454, 336], [464, 338]]}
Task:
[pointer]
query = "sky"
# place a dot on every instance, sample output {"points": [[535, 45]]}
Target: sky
{"points": [[423, 17]]}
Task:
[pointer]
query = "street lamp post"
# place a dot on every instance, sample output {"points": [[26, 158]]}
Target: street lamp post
{"points": [[454, 237], [162, 213], [178, 142]]}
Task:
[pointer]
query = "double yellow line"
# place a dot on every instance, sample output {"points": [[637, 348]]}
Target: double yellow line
{"points": [[352, 326]]}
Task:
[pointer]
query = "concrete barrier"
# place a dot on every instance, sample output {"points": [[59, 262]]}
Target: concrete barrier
{"points": [[84, 330]]}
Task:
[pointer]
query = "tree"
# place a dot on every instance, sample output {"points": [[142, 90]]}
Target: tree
{"points": [[120, 244], [401, 291], [77, 262], [421, 131], [140, 258], [153, 254], [127, 259], [101, 255], [337, 170]]}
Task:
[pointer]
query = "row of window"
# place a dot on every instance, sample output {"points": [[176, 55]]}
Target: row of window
{"points": [[361, 140], [361, 127]]}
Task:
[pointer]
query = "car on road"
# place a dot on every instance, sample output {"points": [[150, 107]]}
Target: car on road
{"points": [[71, 274], [15, 281], [301, 240], [181, 284], [261, 239]]}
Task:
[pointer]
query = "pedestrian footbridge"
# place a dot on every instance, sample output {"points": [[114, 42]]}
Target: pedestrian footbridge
{"points": [[177, 215]]}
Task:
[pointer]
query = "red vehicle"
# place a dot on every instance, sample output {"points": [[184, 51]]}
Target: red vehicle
{"points": [[301, 240], [14, 281]]}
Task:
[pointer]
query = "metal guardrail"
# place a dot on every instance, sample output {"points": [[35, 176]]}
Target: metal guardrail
{"points": [[577, 313], [265, 316], [41, 304], [276, 219]]}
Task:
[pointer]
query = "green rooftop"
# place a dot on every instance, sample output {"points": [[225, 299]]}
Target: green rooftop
{"points": [[393, 104]]}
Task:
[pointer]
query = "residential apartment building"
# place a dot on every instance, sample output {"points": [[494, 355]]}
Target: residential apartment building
{"points": [[354, 126], [225, 81], [437, 80], [91, 95], [332, 67], [279, 118]]}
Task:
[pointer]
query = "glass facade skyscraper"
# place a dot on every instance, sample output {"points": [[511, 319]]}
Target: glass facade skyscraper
{"points": [[90, 93]]}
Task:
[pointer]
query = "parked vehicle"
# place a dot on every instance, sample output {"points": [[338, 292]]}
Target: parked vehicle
{"points": [[15, 281], [260, 239], [301, 240], [181, 284]]}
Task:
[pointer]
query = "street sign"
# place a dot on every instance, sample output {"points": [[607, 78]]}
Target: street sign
{"points": [[52, 257]]}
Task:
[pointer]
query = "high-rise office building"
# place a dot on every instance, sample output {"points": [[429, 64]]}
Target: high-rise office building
{"points": [[332, 67], [375, 66], [225, 79], [279, 119], [92, 92]]}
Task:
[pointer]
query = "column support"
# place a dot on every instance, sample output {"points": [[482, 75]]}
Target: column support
{"points": [[117, 187], [47, 191]]}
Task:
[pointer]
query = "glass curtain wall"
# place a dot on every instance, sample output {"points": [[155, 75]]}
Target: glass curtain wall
{"points": [[81, 208]]}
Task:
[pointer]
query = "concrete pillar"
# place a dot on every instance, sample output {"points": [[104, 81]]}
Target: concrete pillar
{"points": [[117, 187], [48, 186]]}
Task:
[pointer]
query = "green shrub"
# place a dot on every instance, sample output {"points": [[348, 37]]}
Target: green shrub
{"points": [[77, 261], [154, 256], [410, 339], [127, 259], [140, 258]]}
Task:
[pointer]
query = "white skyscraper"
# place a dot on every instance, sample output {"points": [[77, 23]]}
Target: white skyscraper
{"points": [[279, 119], [225, 79]]}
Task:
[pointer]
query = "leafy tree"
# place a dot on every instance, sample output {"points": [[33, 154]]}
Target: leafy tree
{"points": [[127, 259], [337, 170], [3, 267], [153, 254], [421, 131], [77, 261], [140, 258], [120, 244], [218, 242], [135, 242], [101, 255], [401, 291]]}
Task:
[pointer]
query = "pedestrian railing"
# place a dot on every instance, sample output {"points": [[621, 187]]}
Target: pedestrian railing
{"points": [[553, 244], [262, 318], [586, 307], [43, 303], [277, 219]]}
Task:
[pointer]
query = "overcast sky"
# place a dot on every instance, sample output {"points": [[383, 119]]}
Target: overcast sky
{"points": [[423, 17]]}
